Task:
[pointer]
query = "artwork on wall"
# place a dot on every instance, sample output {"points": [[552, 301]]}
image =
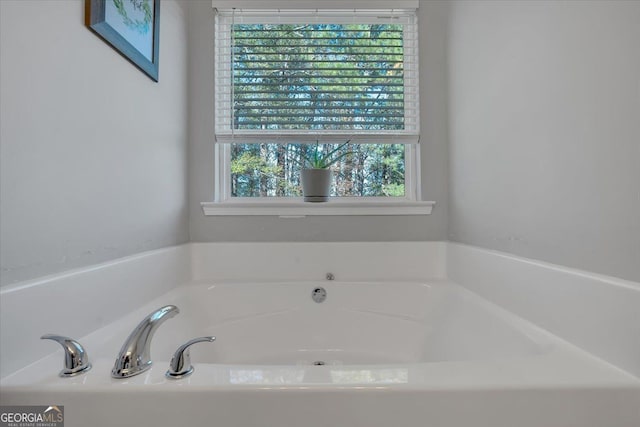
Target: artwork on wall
{"points": [[132, 27]]}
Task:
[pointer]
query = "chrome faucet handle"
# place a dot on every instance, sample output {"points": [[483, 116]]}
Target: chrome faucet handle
{"points": [[180, 365], [76, 360]]}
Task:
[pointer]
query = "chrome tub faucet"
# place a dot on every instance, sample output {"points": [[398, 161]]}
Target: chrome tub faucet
{"points": [[134, 357]]}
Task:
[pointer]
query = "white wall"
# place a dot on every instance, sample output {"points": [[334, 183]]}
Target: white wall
{"points": [[93, 151], [433, 18], [545, 131]]}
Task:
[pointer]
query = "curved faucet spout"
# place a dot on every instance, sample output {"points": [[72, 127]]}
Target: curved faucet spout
{"points": [[134, 357]]}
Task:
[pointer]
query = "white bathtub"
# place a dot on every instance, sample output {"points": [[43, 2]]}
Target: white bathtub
{"points": [[358, 324], [395, 353]]}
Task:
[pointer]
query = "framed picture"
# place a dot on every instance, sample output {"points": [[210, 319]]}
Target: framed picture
{"points": [[132, 27]]}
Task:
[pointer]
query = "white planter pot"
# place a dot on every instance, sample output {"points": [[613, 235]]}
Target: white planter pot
{"points": [[316, 184]]}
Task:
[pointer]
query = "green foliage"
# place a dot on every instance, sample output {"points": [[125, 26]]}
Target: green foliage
{"points": [[142, 26], [264, 170], [318, 76], [253, 175], [310, 77], [249, 163], [393, 190], [318, 159]]}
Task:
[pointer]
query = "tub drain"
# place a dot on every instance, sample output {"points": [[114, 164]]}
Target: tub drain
{"points": [[318, 363], [319, 294]]}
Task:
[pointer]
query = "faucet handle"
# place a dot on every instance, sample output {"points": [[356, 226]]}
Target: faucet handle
{"points": [[180, 365], [76, 360]]}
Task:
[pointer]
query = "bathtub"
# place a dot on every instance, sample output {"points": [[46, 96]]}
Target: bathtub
{"points": [[403, 353]]}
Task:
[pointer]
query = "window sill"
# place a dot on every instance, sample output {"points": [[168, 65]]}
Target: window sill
{"points": [[300, 209]]}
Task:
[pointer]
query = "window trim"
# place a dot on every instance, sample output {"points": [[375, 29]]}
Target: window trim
{"points": [[223, 181], [300, 209], [294, 207]]}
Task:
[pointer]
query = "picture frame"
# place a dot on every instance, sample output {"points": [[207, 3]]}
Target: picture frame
{"points": [[132, 27]]}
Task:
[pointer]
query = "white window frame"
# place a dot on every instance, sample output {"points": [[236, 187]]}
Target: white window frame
{"points": [[411, 185], [294, 207]]}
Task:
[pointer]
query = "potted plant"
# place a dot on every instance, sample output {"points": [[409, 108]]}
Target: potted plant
{"points": [[316, 172]]}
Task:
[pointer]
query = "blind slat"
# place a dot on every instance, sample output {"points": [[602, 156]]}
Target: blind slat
{"points": [[351, 46], [323, 116], [301, 107], [276, 74], [239, 92], [309, 61], [328, 137], [320, 69]]}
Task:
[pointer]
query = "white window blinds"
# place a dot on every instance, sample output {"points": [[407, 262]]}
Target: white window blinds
{"points": [[303, 75]]}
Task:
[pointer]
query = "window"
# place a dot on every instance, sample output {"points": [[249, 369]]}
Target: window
{"points": [[272, 170], [290, 78]]}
